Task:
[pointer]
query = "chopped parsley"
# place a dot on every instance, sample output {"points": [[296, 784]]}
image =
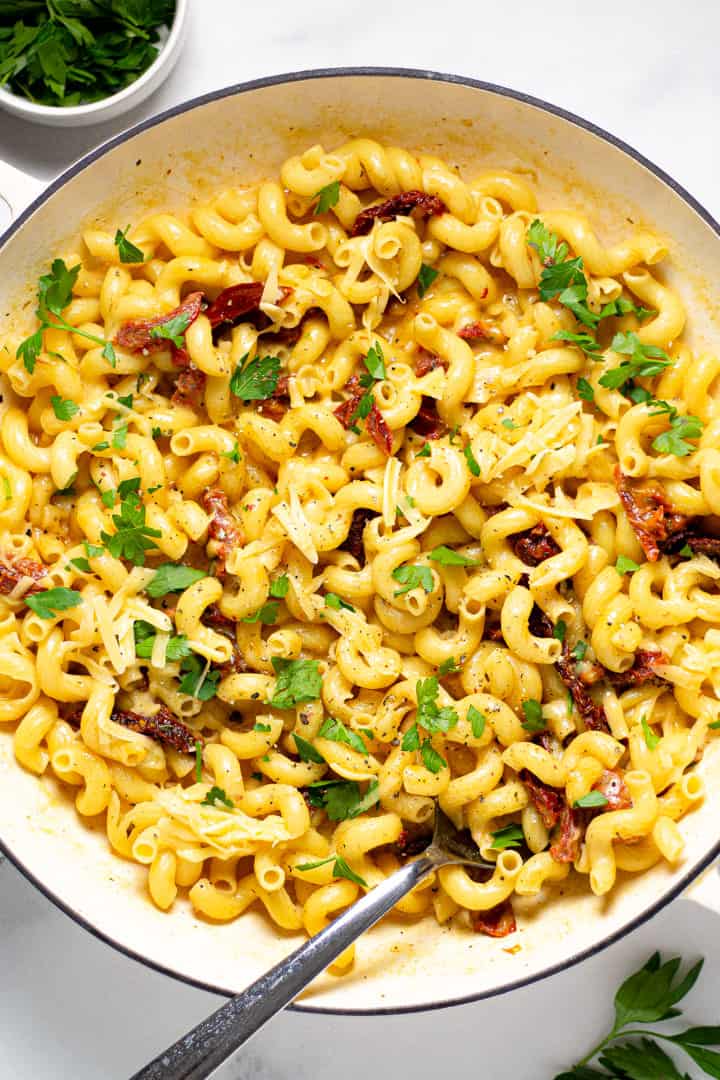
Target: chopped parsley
{"points": [[342, 799], [534, 720], [133, 537], [425, 451], [306, 751], [257, 380], [625, 565], [127, 251], [327, 197], [332, 600], [559, 629], [510, 836], [471, 461], [425, 278], [429, 715], [448, 667], [216, 795], [279, 587], [173, 329], [585, 390], [445, 556], [340, 869], [651, 739], [193, 668], [145, 634], [63, 408], [198, 761], [645, 360], [298, 681], [170, 577], [336, 731], [47, 604], [592, 801], [674, 440], [477, 721], [267, 614], [413, 577]]}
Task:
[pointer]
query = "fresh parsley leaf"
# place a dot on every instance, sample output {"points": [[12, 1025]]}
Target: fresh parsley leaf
{"points": [[340, 869], [545, 243], [336, 731], [233, 455], [257, 380], [593, 799], [509, 423], [674, 440], [534, 720], [622, 306], [81, 564], [687, 551], [445, 556], [279, 587], [448, 667], [585, 390], [327, 197], [429, 714], [128, 252], [413, 577], [98, 447], [579, 650], [559, 629], [363, 408], [63, 408], [145, 634], [192, 681], [216, 795], [425, 278], [171, 577], [298, 681], [471, 461], [342, 799], [432, 761], [375, 362], [425, 452], [29, 350], [109, 498], [640, 1061], [510, 836], [477, 721], [332, 600], [173, 329], [262, 727], [645, 360], [198, 761], [119, 436], [411, 739], [306, 751], [47, 604], [584, 341], [267, 614], [125, 487], [650, 994], [133, 537], [651, 739], [625, 565]]}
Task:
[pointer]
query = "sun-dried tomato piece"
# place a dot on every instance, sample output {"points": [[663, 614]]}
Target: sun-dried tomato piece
{"points": [[615, 790], [11, 574], [189, 387], [397, 206], [535, 545], [213, 616], [497, 922], [354, 541], [427, 362], [163, 726], [650, 513], [223, 528], [377, 429], [137, 335], [548, 801], [483, 330], [346, 410], [566, 848], [569, 671], [426, 421], [644, 669]]}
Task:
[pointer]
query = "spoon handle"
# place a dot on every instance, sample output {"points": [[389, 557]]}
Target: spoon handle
{"points": [[198, 1053]]}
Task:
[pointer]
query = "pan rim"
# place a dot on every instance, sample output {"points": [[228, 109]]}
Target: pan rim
{"points": [[368, 72]]}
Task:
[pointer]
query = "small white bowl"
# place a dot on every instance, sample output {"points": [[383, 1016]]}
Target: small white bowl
{"points": [[107, 108]]}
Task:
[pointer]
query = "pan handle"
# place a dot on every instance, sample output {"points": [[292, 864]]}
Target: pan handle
{"points": [[17, 190], [705, 890]]}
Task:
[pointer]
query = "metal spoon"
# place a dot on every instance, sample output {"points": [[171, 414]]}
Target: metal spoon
{"points": [[199, 1053]]}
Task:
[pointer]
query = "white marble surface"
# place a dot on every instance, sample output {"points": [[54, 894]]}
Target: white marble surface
{"points": [[71, 1006]]}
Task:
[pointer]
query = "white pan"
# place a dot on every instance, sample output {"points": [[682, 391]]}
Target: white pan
{"points": [[242, 134]]}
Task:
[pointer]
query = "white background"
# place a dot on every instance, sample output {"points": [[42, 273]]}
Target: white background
{"points": [[72, 1007]]}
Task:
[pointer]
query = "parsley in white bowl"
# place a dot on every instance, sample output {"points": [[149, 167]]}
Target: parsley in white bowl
{"points": [[75, 62]]}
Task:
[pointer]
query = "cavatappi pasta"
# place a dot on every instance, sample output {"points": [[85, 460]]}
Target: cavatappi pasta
{"points": [[354, 491]]}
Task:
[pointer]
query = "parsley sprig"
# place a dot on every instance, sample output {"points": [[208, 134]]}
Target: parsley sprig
{"points": [[649, 996], [54, 295], [257, 380], [342, 799], [133, 537], [340, 869], [645, 360]]}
